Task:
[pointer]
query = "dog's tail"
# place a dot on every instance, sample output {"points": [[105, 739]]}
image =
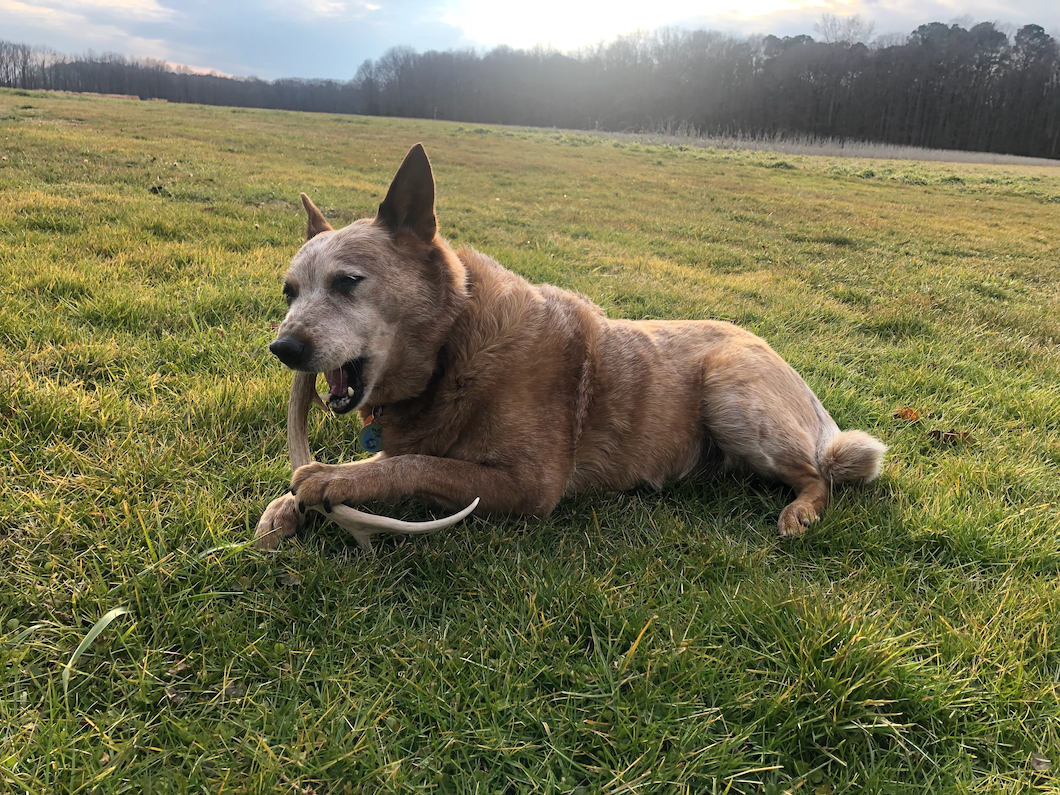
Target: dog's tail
{"points": [[851, 457]]}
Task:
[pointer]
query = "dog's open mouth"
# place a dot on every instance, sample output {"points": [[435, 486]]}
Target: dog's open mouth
{"points": [[346, 386]]}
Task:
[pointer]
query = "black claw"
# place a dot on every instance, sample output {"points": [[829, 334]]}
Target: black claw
{"points": [[301, 507], [327, 505]]}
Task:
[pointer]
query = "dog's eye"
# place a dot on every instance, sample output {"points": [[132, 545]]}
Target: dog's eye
{"points": [[290, 292], [345, 283]]}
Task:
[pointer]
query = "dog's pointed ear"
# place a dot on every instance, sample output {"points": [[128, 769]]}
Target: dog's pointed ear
{"points": [[317, 223], [409, 204]]}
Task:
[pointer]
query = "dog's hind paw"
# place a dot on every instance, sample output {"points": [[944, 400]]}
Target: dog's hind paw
{"points": [[796, 518], [280, 520]]}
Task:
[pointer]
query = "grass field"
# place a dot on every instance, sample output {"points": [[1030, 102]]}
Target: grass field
{"points": [[632, 643], [814, 145]]}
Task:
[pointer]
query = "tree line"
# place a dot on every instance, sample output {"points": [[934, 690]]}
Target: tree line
{"points": [[943, 86]]}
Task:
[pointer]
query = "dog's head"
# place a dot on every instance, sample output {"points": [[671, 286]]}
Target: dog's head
{"points": [[371, 304]]}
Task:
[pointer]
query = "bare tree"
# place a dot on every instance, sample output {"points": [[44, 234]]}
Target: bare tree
{"points": [[844, 30]]}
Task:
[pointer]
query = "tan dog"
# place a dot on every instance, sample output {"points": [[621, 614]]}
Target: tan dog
{"points": [[486, 386]]}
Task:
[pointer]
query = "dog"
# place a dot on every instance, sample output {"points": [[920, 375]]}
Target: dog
{"points": [[479, 384]]}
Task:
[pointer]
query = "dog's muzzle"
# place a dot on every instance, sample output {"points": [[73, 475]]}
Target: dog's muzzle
{"points": [[345, 384]]}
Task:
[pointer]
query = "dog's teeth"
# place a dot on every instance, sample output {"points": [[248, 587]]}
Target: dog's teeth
{"points": [[349, 391]]}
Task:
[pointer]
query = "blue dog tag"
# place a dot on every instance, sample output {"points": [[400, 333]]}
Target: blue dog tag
{"points": [[371, 437]]}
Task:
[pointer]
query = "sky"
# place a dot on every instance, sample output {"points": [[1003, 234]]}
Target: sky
{"points": [[331, 38]]}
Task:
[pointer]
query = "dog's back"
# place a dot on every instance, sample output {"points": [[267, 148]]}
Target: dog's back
{"points": [[617, 403]]}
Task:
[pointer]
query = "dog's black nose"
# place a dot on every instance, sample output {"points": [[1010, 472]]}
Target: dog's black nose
{"points": [[290, 350]]}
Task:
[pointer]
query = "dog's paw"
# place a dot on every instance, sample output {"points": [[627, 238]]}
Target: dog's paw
{"points": [[314, 484], [796, 518], [280, 520]]}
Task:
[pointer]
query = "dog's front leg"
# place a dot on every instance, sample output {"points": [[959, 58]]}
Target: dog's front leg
{"points": [[448, 482], [280, 520]]}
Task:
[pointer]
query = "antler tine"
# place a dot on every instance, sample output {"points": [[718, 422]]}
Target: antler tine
{"points": [[303, 395], [362, 526]]}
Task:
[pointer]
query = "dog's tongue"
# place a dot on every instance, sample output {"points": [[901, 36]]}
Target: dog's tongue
{"points": [[337, 383], [346, 386]]}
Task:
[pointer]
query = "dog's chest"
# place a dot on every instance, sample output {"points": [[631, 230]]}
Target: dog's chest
{"points": [[423, 426]]}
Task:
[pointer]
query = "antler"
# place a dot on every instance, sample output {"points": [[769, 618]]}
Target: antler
{"points": [[362, 526]]}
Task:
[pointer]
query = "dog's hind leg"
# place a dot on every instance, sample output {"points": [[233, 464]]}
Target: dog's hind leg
{"points": [[764, 417], [812, 492]]}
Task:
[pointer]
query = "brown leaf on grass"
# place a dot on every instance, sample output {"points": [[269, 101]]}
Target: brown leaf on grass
{"points": [[907, 414], [290, 579], [234, 690], [179, 668], [301, 789], [175, 696], [1041, 763], [952, 437]]}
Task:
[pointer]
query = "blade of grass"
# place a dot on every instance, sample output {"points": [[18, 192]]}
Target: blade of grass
{"points": [[636, 643], [14, 640], [239, 547], [93, 633]]}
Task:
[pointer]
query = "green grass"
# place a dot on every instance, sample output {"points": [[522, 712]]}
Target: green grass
{"points": [[630, 643]]}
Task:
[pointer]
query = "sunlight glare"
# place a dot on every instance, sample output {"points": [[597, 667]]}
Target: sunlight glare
{"points": [[567, 24]]}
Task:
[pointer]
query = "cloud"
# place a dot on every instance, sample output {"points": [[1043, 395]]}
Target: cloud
{"points": [[88, 10], [39, 15], [313, 38], [327, 9], [72, 26], [560, 23]]}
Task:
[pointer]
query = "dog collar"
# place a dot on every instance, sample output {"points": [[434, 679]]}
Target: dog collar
{"points": [[371, 436]]}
